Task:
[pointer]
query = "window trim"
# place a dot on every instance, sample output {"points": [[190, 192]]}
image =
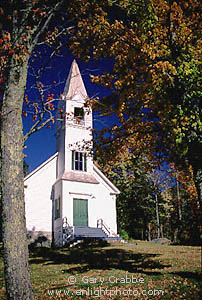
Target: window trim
{"points": [[81, 161]]}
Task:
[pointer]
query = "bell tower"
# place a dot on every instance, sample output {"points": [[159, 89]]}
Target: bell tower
{"points": [[74, 127]]}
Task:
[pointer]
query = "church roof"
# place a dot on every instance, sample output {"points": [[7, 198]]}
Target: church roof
{"points": [[114, 189], [74, 84], [79, 177], [45, 163]]}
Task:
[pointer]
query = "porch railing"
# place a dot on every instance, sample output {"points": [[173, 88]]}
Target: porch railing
{"points": [[104, 227], [68, 230]]}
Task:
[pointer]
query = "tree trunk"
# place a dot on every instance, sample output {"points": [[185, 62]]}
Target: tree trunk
{"points": [[179, 205], [16, 266], [157, 217], [195, 160], [149, 232], [197, 172], [162, 230], [175, 236]]}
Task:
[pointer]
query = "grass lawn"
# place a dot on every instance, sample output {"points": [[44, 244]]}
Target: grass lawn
{"points": [[116, 271]]}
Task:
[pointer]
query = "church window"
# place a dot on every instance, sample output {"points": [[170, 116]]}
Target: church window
{"points": [[79, 113], [79, 161], [57, 208]]}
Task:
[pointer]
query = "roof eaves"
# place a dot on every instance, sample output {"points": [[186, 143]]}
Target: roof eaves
{"points": [[41, 166], [108, 182]]}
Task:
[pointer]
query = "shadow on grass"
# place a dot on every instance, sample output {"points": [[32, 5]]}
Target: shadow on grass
{"points": [[189, 275], [93, 256]]}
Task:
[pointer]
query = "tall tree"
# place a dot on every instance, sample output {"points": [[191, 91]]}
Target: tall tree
{"points": [[24, 26], [130, 167], [156, 48], [185, 214]]}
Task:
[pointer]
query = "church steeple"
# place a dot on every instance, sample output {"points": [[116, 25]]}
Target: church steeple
{"points": [[74, 83], [74, 133]]}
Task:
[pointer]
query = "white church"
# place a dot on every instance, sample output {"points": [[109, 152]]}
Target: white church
{"points": [[68, 197]]}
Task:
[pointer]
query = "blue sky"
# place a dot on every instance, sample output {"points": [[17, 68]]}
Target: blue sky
{"points": [[41, 145]]}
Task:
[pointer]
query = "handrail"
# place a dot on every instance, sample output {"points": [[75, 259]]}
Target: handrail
{"points": [[66, 226], [65, 222], [103, 226]]}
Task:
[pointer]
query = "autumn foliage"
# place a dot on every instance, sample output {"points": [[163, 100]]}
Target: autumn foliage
{"points": [[155, 79]]}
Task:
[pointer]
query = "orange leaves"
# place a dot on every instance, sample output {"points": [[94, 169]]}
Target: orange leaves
{"points": [[185, 177], [162, 73], [42, 13], [76, 44], [50, 97], [26, 100], [17, 50], [11, 51], [38, 11], [49, 105], [36, 105], [176, 12], [35, 11], [51, 37], [118, 84], [161, 8], [6, 41], [34, 118], [166, 67], [24, 113], [23, 38], [17, 42]]}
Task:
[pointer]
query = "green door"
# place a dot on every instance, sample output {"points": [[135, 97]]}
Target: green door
{"points": [[80, 212]]}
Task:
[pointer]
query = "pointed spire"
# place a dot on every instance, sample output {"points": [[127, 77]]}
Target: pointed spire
{"points": [[74, 83]]}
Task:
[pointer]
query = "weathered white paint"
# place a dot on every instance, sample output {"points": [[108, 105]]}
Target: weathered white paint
{"points": [[38, 193], [55, 178], [101, 204]]}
